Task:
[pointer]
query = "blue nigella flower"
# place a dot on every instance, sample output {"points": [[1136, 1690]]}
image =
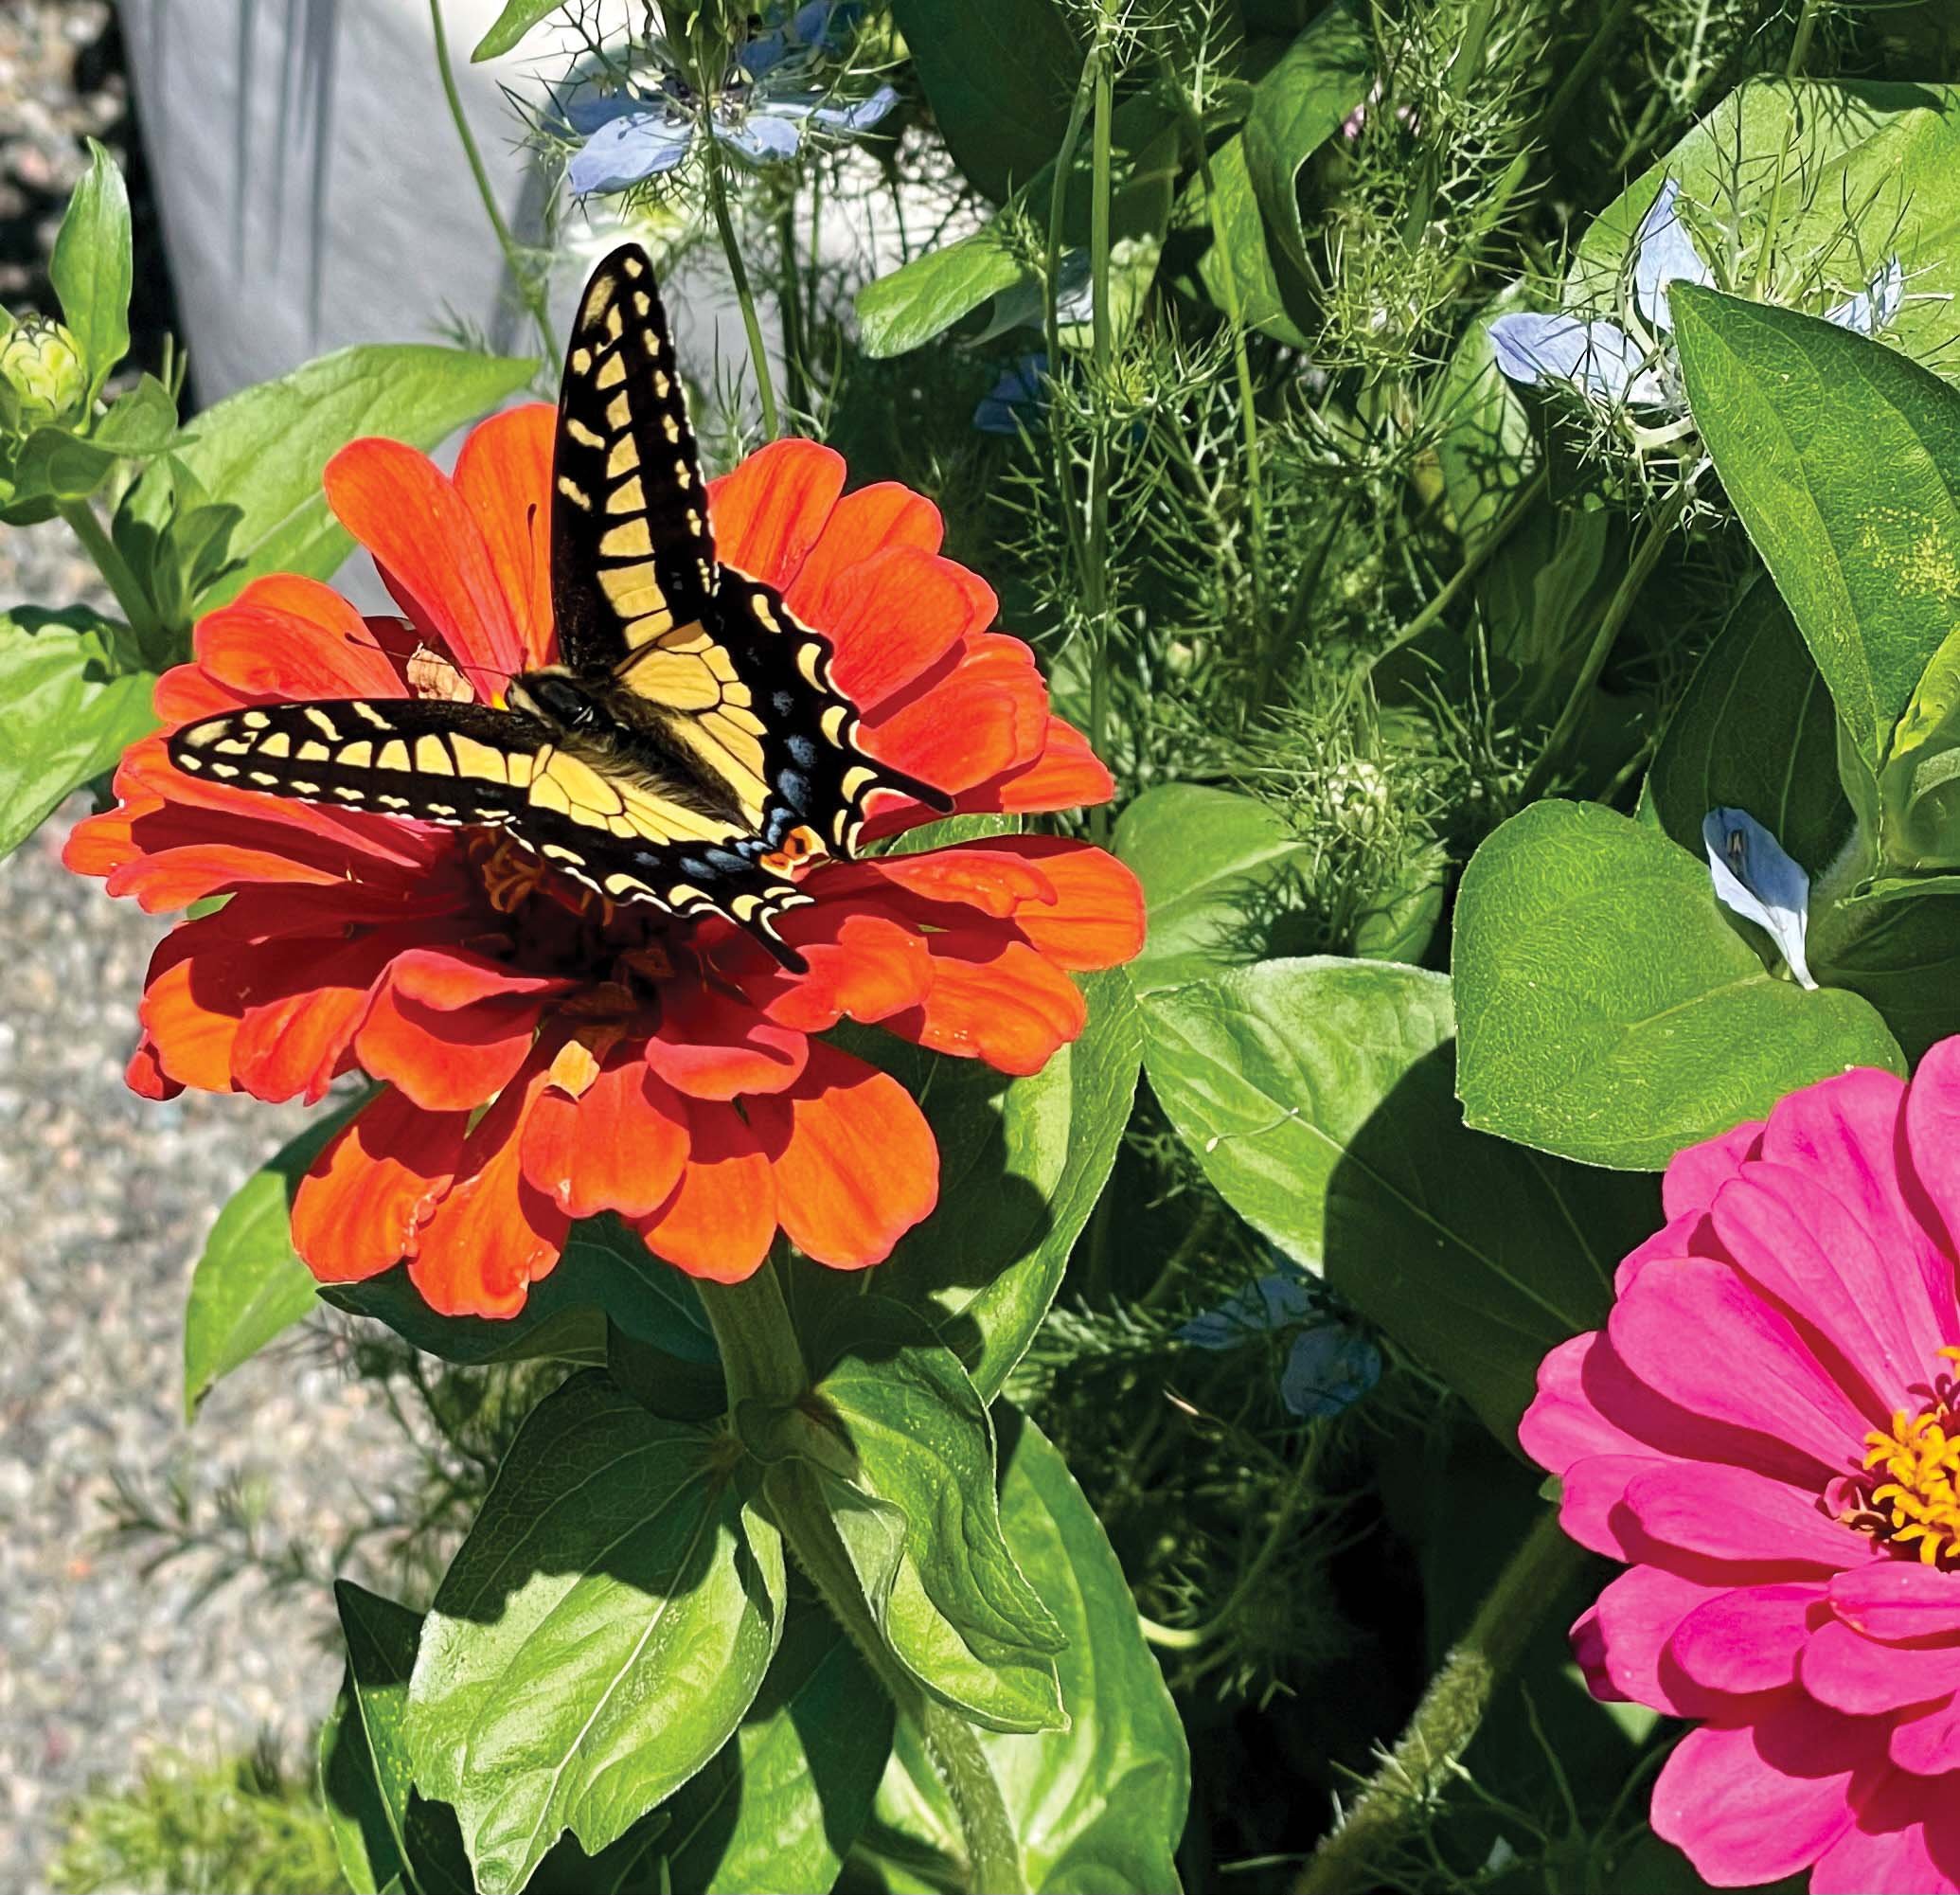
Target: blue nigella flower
{"points": [[1755, 879], [1332, 1363], [1016, 401], [1614, 368], [763, 109]]}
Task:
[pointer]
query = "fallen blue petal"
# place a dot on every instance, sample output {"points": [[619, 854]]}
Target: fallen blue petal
{"points": [[1330, 1368], [638, 145], [1017, 399], [1664, 254], [1874, 307], [1755, 879], [1262, 1308], [1599, 359]]}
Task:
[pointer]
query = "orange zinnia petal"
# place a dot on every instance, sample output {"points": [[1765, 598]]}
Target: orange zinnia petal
{"points": [[768, 513], [721, 1220], [711, 1047], [424, 537], [884, 514], [988, 715], [504, 471], [494, 1234], [995, 999], [619, 1146], [893, 617], [361, 1207], [870, 968], [299, 1042], [853, 1158], [1096, 916], [285, 636]]}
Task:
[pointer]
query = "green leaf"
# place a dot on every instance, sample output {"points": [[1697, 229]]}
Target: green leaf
{"points": [[1899, 948], [1754, 730], [926, 297], [1225, 882], [68, 710], [250, 1286], [1609, 1009], [511, 25], [1854, 171], [91, 266], [597, 1637], [1920, 785], [1097, 1809], [1486, 450], [1318, 1096], [1296, 107], [1022, 1163], [605, 1274], [1262, 283], [906, 1454], [261, 452], [783, 1800], [1799, 416], [140, 422], [1000, 79]]}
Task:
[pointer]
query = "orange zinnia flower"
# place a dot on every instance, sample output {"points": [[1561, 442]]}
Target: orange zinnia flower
{"points": [[548, 1057]]}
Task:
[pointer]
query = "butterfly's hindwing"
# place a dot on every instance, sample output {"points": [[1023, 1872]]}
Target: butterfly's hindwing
{"points": [[633, 556]]}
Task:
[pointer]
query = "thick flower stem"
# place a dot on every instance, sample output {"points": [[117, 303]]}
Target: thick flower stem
{"points": [[745, 296], [1450, 1710], [116, 575], [762, 1361]]}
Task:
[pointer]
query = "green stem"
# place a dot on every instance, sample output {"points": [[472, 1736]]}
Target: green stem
{"points": [[789, 301], [1799, 49], [1639, 568], [759, 355], [762, 1361], [116, 572], [522, 275], [1452, 1709], [1102, 349]]}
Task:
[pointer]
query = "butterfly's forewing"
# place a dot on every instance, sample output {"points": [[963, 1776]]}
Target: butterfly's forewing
{"points": [[632, 554]]}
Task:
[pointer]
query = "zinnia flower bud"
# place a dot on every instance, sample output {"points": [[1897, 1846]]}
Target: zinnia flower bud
{"points": [[42, 363]]}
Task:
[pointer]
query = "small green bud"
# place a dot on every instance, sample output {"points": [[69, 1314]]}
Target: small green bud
{"points": [[43, 363]]}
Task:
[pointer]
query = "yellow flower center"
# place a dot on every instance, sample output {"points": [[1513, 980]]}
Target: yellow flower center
{"points": [[1915, 1503]]}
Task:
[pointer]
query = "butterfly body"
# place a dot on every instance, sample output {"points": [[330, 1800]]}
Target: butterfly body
{"points": [[688, 750]]}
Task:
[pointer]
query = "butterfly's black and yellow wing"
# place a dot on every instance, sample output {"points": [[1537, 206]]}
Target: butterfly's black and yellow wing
{"points": [[627, 837], [706, 655]]}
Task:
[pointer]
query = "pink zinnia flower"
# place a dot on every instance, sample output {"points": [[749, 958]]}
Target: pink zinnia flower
{"points": [[1768, 1432]]}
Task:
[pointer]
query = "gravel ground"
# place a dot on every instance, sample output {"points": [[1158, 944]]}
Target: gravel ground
{"points": [[107, 1201]]}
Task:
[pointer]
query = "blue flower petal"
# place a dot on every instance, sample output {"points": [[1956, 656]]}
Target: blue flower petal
{"points": [[819, 26], [589, 105], [1664, 254], [1599, 359], [764, 136], [1874, 307], [860, 114], [1262, 1308], [1331, 1367], [1017, 399], [1755, 879], [637, 145]]}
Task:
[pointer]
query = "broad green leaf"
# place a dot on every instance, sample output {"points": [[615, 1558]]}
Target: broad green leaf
{"points": [[597, 1637], [1098, 1808], [68, 710], [1920, 783], [1610, 1012], [926, 297], [1236, 242], [1317, 1096], [606, 1273], [262, 451], [1022, 1163], [1296, 107], [1856, 171], [140, 422], [783, 1800], [908, 1456], [511, 25], [1486, 450], [1900, 950], [1843, 458], [249, 1284], [1000, 79], [91, 265], [1754, 730], [1225, 882]]}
